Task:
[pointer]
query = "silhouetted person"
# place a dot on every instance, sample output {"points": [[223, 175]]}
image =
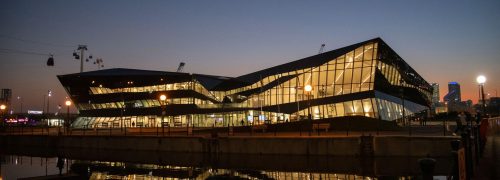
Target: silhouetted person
{"points": [[460, 121], [60, 165], [468, 118], [483, 132]]}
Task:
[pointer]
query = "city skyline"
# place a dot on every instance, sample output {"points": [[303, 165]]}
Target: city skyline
{"points": [[444, 41]]}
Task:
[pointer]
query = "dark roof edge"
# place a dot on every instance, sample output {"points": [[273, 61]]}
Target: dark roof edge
{"points": [[302, 63]]}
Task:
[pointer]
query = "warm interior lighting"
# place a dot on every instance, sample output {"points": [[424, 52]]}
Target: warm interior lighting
{"points": [[481, 79], [68, 103], [308, 88], [2, 107], [163, 97]]}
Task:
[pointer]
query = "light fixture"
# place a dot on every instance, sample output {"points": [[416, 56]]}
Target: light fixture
{"points": [[481, 79], [308, 88]]}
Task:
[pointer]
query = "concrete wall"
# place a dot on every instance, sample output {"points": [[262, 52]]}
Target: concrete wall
{"points": [[414, 146], [174, 144], [346, 146], [334, 146]]}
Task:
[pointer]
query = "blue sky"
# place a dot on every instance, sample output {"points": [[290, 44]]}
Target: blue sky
{"points": [[442, 40]]}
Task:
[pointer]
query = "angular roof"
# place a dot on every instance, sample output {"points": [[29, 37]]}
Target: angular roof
{"points": [[125, 72], [307, 62], [209, 81], [221, 83]]}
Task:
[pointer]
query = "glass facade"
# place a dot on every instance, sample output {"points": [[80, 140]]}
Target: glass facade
{"points": [[366, 79]]}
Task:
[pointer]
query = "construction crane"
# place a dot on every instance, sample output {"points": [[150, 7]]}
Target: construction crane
{"points": [[181, 66], [321, 48]]}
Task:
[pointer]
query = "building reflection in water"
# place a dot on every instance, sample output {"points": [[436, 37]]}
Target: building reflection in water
{"points": [[14, 167], [117, 170]]}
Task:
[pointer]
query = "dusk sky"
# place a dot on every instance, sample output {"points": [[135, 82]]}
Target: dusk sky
{"points": [[446, 40]]}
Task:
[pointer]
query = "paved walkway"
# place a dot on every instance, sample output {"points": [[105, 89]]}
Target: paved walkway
{"points": [[489, 166], [416, 130]]}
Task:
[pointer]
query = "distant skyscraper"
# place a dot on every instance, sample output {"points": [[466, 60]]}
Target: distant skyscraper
{"points": [[435, 93], [6, 96], [435, 97], [454, 95], [453, 98]]}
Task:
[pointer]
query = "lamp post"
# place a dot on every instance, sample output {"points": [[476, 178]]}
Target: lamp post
{"points": [[163, 104], [19, 112], [21, 103], [308, 89], [2, 108], [402, 92], [48, 99], [66, 122], [481, 80]]}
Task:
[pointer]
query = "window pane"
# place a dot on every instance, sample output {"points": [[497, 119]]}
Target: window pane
{"points": [[356, 78], [367, 108], [348, 76], [358, 64], [358, 54], [349, 57], [340, 109], [368, 52], [341, 59], [340, 66], [349, 109], [358, 107]]}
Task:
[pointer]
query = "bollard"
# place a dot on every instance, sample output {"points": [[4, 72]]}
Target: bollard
{"points": [[467, 148], [275, 129], [444, 127], [192, 130], [455, 145], [300, 130], [427, 166]]}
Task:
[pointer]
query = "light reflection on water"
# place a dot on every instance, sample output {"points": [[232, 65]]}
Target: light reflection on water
{"points": [[15, 167]]}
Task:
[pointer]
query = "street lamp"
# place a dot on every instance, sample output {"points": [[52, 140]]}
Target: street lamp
{"points": [[163, 104], [68, 104], [308, 89], [21, 102], [48, 98], [481, 80], [20, 112], [2, 108]]}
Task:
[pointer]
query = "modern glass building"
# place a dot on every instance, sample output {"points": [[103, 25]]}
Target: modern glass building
{"points": [[367, 79]]}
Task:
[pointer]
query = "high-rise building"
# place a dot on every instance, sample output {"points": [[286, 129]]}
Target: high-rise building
{"points": [[6, 97], [366, 80], [453, 98], [435, 92], [454, 95], [435, 96]]}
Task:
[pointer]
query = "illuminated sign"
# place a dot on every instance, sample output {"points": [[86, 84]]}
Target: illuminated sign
{"points": [[34, 112]]}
